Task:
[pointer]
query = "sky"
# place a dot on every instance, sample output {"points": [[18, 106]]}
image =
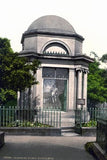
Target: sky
{"points": [[88, 17]]}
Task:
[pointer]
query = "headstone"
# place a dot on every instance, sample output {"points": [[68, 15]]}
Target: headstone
{"points": [[102, 132], [1, 139]]}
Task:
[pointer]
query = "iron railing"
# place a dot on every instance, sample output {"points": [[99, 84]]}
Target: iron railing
{"points": [[83, 116], [22, 117]]}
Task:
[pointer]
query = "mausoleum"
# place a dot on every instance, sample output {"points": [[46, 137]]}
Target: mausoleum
{"points": [[63, 72]]}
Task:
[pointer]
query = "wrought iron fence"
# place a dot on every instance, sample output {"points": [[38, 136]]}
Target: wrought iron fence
{"points": [[88, 117], [22, 117]]}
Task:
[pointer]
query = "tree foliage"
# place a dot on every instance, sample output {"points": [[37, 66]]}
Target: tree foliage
{"points": [[16, 73], [97, 84], [104, 58]]}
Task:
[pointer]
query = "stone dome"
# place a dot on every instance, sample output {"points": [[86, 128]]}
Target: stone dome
{"points": [[51, 24]]}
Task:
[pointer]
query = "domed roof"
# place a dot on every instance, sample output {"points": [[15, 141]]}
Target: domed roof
{"points": [[51, 24]]}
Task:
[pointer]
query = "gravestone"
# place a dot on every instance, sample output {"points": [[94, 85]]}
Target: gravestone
{"points": [[101, 138]]}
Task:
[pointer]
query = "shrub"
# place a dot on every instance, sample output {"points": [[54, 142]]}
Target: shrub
{"points": [[19, 123], [91, 123]]}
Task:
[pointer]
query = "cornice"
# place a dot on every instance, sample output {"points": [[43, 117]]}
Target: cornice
{"points": [[54, 57], [36, 32]]}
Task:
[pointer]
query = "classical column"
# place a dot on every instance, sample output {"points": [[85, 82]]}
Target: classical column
{"points": [[31, 97], [85, 88], [21, 95], [79, 85], [71, 89], [39, 88], [18, 99]]}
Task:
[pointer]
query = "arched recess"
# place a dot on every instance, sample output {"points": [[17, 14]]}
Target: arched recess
{"points": [[55, 47]]}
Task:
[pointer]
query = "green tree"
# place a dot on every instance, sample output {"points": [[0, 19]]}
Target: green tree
{"points": [[16, 73], [97, 84], [104, 58], [104, 74]]}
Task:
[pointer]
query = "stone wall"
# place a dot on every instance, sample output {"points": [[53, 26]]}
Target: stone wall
{"points": [[31, 131]]}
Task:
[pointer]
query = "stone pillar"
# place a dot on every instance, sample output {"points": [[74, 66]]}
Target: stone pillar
{"points": [[33, 94], [71, 89], [26, 97], [18, 99], [85, 88], [34, 99], [39, 88], [21, 99], [79, 85], [31, 97]]}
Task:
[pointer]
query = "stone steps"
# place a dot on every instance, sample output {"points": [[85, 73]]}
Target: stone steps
{"points": [[68, 119], [68, 132]]}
